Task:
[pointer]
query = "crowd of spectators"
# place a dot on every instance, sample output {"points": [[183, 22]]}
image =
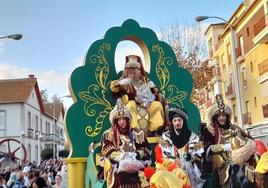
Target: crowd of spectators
{"points": [[48, 174]]}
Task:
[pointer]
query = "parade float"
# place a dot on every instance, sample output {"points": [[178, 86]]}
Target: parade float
{"points": [[88, 118]]}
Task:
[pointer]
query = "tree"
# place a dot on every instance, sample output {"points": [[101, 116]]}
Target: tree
{"points": [[55, 99], [47, 153], [44, 95], [189, 46], [63, 153]]}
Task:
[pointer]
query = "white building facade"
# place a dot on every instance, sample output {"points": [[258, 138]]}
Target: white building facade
{"points": [[24, 117]]}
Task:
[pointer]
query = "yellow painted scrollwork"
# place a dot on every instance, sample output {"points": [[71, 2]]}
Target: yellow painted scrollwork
{"points": [[161, 68], [175, 97], [96, 93]]}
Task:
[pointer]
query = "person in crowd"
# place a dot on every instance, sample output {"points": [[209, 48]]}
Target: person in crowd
{"points": [[20, 180], [2, 182], [38, 181], [58, 182], [26, 172], [50, 176], [6, 173], [12, 180], [261, 171]]}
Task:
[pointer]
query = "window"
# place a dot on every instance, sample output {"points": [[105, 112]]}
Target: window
{"points": [[223, 61], [247, 107], [210, 47], [36, 153], [229, 49], [244, 76], [229, 53], [2, 123], [235, 114], [225, 86], [247, 31], [251, 66], [36, 123], [47, 128], [255, 101], [29, 152], [61, 133], [41, 125], [264, 89], [241, 41], [231, 79], [29, 120]]}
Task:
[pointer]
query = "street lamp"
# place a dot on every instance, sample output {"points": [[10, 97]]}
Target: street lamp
{"points": [[54, 127], [13, 36], [237, 83]]}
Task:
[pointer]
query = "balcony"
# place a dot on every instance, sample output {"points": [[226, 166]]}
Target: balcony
{"points": [[263, 67], [259, 26], [260, 32], [49, 137], [247, 118], [229, 93], [265, 110], [57, 140], [43, 137], [30, 133], [36, 135]]}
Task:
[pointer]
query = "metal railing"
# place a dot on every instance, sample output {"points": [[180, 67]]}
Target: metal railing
{"points": [[30, 132]]}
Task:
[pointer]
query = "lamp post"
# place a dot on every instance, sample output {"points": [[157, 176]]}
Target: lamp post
{"points": [[54, 127], [13, 36], [235, 66]]}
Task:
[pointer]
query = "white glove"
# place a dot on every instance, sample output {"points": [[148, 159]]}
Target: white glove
{"points": [[227, 147], [125, 81]]}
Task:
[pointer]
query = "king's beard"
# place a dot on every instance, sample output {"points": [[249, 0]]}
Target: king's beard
{"points": [[134, 77]]}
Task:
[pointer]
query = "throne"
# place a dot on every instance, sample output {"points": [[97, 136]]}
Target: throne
{"points": [[88, 117]]}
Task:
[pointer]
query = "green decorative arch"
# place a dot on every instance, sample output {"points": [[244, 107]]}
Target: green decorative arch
{"points": [[88, 117]]}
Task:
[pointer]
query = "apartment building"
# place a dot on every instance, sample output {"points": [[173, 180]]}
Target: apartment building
{"points": [[250, 28]]}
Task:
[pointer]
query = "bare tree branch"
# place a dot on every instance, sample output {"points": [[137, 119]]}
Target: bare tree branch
{"points": [[189, 45]]}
